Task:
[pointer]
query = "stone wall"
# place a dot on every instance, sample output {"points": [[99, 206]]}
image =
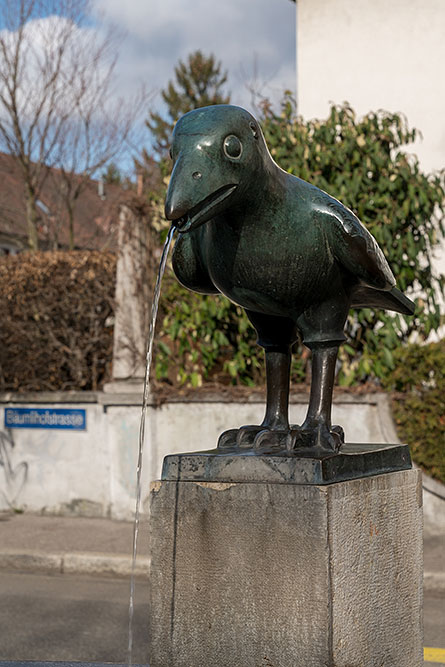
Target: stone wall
{"points": [[92, 472]]}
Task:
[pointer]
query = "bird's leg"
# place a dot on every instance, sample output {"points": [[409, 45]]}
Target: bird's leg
{"points": [[277, 390], [323, 375], [276, 335], [274, 428], [316, 436]]}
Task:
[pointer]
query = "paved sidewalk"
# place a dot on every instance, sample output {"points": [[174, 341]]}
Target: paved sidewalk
{"points": [[71, 545], [79, 545], [434, 561]]}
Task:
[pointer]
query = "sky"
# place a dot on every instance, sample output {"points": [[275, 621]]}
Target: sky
{"points": [[254, 39]]}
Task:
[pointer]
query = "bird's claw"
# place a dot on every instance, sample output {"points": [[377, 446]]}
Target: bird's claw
{"points": [[227, 439], [239, 438], [316, 441], [268, 441], [254, 438]]}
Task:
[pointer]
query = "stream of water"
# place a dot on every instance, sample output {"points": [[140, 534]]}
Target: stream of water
{"points": [[149, 356]]}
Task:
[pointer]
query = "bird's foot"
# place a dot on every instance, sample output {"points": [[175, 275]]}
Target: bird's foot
{"points": [[271, 441], [239, 438], [254, 438], [315, 440]]}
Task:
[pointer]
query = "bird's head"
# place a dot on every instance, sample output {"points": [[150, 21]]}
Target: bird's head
{"points": [[218, 153]]}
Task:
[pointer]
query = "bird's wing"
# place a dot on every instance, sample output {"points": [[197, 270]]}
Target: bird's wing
{"points": [[353, 246]]}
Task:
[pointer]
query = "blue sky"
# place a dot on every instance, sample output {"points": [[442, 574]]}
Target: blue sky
{"points": [[254, 39]]}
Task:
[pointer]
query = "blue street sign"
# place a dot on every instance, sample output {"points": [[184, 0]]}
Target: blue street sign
{"points": [[65, 418]]}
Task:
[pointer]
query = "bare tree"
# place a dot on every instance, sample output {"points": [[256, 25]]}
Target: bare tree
{"points": [[102, 128], [56, 105]]}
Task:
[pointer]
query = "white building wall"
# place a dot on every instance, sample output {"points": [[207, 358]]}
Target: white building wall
{"points": [[376, 54]]}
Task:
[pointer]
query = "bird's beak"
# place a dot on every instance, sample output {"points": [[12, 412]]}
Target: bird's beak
{"points": [[178, 199], [192, 201]]}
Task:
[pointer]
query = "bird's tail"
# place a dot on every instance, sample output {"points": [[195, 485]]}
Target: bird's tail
{"points": [[394, 299]]}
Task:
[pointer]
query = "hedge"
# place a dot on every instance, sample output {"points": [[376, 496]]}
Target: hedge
{"points": [[56, 329]]}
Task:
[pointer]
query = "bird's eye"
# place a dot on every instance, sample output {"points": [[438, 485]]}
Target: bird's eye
{"points": [[232, 147]]}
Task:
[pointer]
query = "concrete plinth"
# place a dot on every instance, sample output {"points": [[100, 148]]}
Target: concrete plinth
{"points": [[287, 575]]}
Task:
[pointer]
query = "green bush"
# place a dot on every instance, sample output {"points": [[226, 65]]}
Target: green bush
{"points": [[207, 338], [364, 163], [419, 404]]}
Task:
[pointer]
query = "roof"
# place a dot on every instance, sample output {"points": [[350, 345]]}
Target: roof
{"points": [[95, 216]]}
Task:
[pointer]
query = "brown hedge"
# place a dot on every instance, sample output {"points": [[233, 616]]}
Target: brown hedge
{"points": [[56, 326]]}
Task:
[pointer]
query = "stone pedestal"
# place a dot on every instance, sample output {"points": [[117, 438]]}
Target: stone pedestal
{"points": [[287, 575]]}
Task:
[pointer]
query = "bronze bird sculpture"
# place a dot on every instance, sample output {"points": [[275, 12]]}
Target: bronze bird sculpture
{"points": [[291, 255]]}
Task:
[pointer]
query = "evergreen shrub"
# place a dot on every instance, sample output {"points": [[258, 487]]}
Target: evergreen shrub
{"points": [[419, 403]]}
